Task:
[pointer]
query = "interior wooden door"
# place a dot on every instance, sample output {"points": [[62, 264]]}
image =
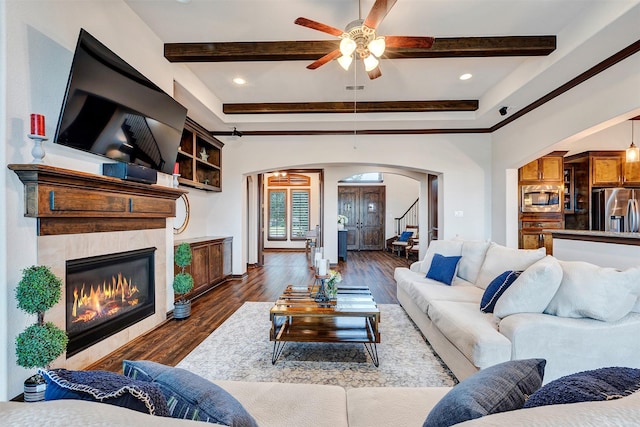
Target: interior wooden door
{"points": [[364, 206]]}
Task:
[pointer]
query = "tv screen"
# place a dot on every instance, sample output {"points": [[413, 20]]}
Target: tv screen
{"points": [[112, 110]]}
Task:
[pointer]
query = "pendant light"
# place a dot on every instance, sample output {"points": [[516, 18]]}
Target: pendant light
{"points": [[633, 152]]}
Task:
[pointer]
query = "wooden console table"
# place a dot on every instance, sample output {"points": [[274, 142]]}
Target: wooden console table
{"points": [[212, 262]]}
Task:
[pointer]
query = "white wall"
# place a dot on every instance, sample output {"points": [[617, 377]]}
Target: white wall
{"points": [[464, 161], [40, 41], [5, 288]]}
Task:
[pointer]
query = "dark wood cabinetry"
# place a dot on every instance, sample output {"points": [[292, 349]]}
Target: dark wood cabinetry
{"points": [[199, 158], [532, 235], [547, 170], [211, 265]]}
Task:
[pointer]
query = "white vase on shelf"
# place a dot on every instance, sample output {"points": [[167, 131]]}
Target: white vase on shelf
{"points": [[340, 226]]}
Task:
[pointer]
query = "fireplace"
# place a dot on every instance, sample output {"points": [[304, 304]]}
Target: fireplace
{"points": [[106, 294]]}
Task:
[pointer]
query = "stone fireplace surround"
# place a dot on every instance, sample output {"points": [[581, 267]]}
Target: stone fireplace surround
{"points": [[82, 215], [54, 251]]}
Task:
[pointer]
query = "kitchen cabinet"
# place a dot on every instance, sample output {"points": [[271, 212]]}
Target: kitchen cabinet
{"points": [[606, 170], [532, 235], [631, 174], [199, 158], [545, 169], [211, 264]]}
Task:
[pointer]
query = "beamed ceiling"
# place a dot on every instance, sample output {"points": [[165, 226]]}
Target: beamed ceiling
{"points": [[521, 54]]}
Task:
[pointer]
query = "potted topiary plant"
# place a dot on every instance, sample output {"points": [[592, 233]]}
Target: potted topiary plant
{"points": [[41, 343], [182, 282]]}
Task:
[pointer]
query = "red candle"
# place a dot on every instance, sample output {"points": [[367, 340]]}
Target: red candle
{"points": [[176, 169], [37, 124]]}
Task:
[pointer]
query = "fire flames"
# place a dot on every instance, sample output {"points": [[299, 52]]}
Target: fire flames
{"points": [[103, 300]]}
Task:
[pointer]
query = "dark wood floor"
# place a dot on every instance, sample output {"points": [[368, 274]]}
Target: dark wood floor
{"points": [[173, 340]]}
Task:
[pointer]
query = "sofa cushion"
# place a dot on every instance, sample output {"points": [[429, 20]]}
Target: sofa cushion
{"points": [[284, 404], [587, 290], [500, 259], [533, 290], [473, 253], [443, 268], [619, 412], [190, 396], [391, 406], [495, 290], [442, 247], [500, 388], [422, 290], [105, 387], [473, 333], [588, 386]]}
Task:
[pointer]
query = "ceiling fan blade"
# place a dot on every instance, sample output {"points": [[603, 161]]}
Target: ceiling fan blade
{"points": [[375, 73], [328, 57], [408, 42], [377, 13], [314, 25]]}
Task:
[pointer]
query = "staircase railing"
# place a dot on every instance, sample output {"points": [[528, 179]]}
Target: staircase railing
{"points": [[410, 217]]}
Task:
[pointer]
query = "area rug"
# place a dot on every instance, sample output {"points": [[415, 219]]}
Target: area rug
{"points": [[240, 350]]}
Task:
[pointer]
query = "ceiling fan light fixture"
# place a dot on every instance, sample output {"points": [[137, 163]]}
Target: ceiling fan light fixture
{"points": [[370, 62], [345, 61], [377, 46], [347, 46]]}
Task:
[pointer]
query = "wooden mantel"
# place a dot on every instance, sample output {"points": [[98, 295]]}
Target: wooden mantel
{"points": [[70, 202]]}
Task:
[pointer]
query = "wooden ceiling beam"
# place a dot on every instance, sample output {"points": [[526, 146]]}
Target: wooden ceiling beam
{"points": [[450, 47], [349, 106]]}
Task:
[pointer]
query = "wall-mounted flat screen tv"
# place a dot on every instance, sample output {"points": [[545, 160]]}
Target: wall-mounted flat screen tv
{"points": [[112, 110]]}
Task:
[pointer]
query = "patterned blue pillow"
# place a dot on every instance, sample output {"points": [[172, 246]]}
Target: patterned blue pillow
{"points": [[588, 386], [498, 388], [496, 288], [105, 387], [190, 396], [443, 268], [405, 236]]}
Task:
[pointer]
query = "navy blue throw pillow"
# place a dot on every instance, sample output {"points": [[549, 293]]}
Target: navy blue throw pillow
{"points": [[405, 236], [443, 268], [498, 388], [189, 396], [496, 288], [587, 386], [105, 387]]}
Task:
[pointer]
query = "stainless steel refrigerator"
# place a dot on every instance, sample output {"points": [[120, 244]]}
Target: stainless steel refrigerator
{"points": [[615, 209]]}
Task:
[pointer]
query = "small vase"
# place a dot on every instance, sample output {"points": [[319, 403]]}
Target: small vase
{"points": [[34, 388], [340, 226]]}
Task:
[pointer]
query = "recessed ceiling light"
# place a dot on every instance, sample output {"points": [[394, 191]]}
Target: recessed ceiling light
{"points": [[239, 81], [466, 76], [184, 1]]}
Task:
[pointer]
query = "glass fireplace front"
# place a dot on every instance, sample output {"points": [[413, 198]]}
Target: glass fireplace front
{"points": [[106, 294]]}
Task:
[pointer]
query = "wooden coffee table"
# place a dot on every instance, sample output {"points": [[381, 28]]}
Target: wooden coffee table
{"points": [[352, 317]]}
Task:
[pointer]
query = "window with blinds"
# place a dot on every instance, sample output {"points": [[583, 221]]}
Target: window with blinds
{"points": [[299, 214], [277, 215]]}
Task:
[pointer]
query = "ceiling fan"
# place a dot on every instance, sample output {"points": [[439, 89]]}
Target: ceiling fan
{"points": [[360, 38]]}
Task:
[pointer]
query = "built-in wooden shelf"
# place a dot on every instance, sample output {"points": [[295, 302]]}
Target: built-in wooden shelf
{"points": [[69, 202]]}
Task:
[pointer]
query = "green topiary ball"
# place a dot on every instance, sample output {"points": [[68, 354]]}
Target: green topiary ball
{"points": [[183, 255], [39, 345], [39, 289], [182, 283]]}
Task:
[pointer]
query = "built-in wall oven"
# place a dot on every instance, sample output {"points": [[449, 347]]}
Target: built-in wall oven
{"points": [[541, 198]]}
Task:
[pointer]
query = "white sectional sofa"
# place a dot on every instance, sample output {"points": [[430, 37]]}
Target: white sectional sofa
{"points": [[575, 315], [297, 405]]}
